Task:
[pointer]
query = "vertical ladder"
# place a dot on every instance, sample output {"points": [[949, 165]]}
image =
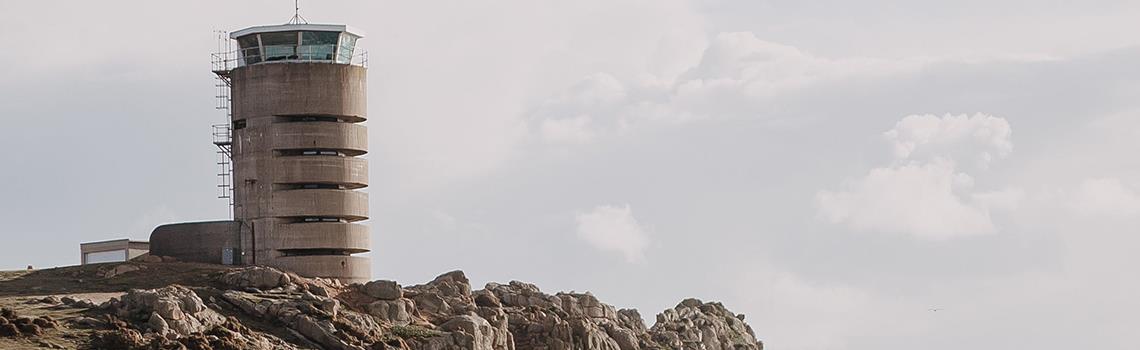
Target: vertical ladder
{"points": [[223, 137], [223, 140]]}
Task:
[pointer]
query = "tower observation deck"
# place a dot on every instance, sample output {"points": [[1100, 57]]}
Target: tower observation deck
{"points": [[298, 99]]}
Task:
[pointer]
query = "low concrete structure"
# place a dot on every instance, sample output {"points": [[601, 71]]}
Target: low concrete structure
{"points": [[211, 242], [117, 250]]}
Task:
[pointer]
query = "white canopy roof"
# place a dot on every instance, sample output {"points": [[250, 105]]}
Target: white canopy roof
{"points": [[297, 27]]}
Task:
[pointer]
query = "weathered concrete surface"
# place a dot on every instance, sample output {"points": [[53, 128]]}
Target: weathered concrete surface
{"points": [[299, 89], [195, 241], [296, 141], [350, 172], [351, 139], [321, 235], [345, 204]]}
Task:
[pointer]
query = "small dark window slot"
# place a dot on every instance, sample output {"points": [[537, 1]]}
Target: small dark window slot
{"points": [[319, 186], [312, 152], [308, 119], [311, 219], [310, 252]]}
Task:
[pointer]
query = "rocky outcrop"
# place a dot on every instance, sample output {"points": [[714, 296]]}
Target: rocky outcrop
{"points": [[175, 310], [446, 314], [696, 325], [384, 290], [265, 308], [256, 277], [520, 316]]}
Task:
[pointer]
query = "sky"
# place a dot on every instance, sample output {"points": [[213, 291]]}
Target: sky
{"points": [[833, 170]]}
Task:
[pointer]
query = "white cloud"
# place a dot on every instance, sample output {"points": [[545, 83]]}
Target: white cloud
{"points": [[614, 229], [1106, 196], [979, 138], [923, 193], [736, 74], [570, 117], [455, 107], [762, 67], [919, 199]]}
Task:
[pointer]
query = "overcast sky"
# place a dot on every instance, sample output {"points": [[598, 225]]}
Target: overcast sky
{"points": [[832, 170]]}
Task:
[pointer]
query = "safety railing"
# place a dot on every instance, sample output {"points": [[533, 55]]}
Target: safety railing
{"points": [[225, 61]]}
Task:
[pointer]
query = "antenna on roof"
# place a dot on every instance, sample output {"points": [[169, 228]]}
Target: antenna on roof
{"points": [[297, 19]]}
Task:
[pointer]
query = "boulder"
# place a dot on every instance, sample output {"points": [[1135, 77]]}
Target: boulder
{"points": [[631, 319], [158, 324], [123, 338], [452, 284], [182, 311], [484, 298], [46, 322], [259, 277], [586, 305], [694, 324], [626, 339], [471, 332], [384, 290], [51, 299], [395, 311], [322, 332], [77, 303], [87, 322], [9, 330], [30, 329]]}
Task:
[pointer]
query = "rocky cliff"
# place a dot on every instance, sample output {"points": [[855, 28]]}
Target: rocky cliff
{"points": [[263, 308]]}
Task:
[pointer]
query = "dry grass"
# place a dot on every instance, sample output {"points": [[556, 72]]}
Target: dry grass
{"points": [[20, 289]]}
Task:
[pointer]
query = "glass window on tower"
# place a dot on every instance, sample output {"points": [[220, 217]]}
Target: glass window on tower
{"points": [[318, 46], [279, 45], [347, 43], [250, 50]]}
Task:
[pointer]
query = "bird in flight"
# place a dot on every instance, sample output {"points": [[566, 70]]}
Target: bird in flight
{"points": [[934, 309]]}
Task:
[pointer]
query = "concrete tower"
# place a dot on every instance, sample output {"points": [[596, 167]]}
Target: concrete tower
{"points": [[298, 98]]}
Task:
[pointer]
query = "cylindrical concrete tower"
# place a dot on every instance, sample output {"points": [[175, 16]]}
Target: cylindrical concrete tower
{"points": [[298, 98]]}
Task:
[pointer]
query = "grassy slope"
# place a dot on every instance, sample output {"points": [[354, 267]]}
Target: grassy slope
{"points": [[17, 288]]}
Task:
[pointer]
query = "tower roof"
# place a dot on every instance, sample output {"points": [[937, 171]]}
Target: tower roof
{"points": [[297, 27]]}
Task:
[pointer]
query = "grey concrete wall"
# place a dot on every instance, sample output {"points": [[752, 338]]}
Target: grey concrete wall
{"points": [[268, 168], [345, 204], [195, 241], [321, 235], [350, 138], [299, 89], [351, 172]]}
